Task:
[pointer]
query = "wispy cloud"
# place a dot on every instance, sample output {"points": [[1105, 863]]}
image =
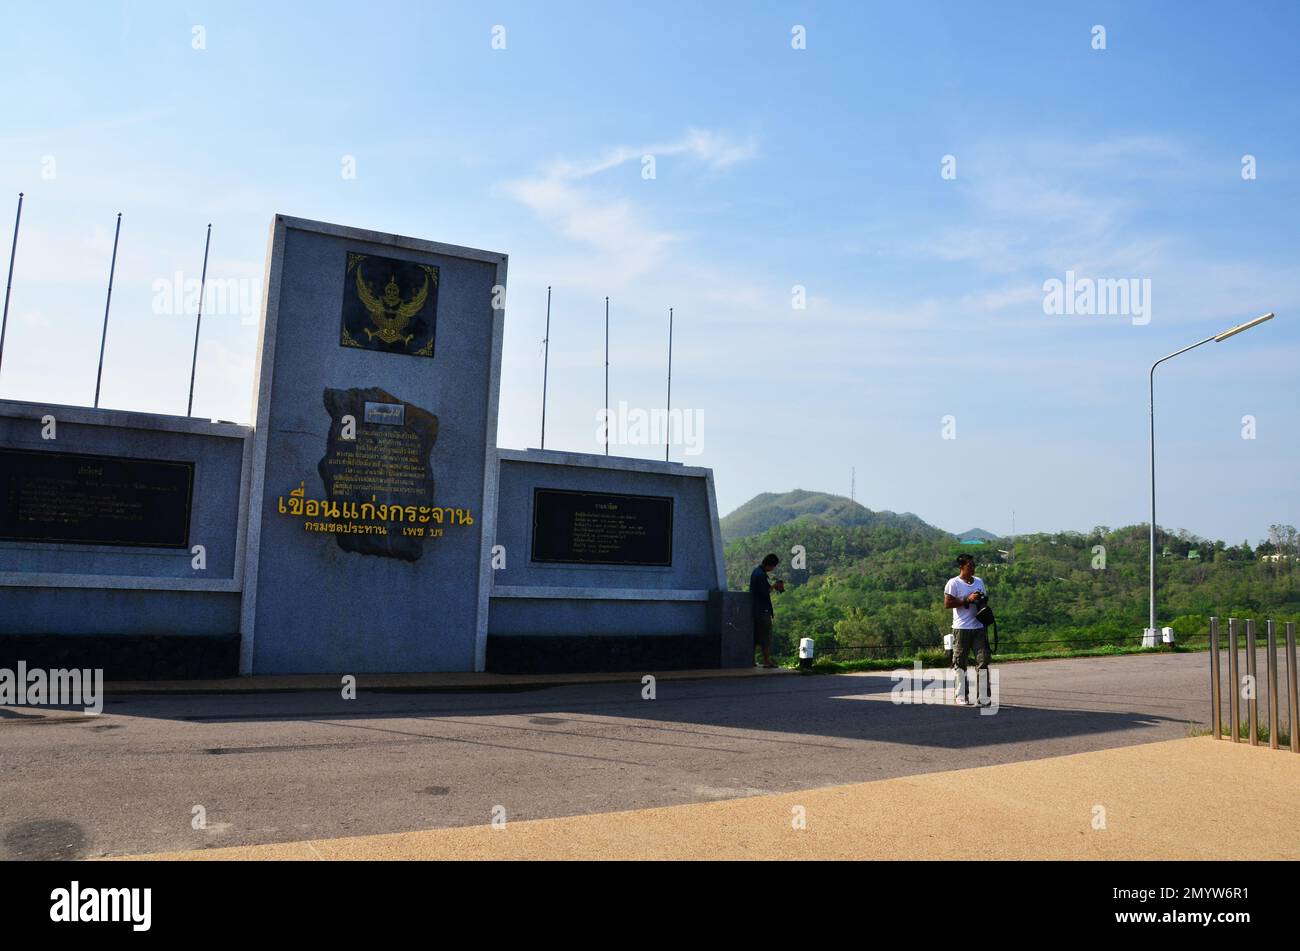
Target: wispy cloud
{"points": [[569, 198], [716, 150]]}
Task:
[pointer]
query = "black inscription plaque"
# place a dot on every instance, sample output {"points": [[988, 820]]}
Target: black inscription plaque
{"points": [[94, 500], [389, 305], [602, 528], [386, 463]]}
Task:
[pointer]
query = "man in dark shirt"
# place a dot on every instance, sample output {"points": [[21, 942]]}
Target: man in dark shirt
{"points": [[760, 590]]}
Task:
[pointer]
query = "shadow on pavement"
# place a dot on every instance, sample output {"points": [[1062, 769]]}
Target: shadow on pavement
{"points": [[831, 707]]}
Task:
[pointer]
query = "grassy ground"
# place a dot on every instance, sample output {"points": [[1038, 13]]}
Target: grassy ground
{"points": [[1243, 731], [938, 658]]}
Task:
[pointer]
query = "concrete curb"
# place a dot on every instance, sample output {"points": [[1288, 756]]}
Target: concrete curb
{"points": [[423, 683]]}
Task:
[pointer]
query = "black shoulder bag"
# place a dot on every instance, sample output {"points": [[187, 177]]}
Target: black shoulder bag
{"points": [[985, 617]]}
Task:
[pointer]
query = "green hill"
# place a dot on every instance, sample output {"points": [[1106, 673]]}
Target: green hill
{"points": [[771, 509], [978, 534]]}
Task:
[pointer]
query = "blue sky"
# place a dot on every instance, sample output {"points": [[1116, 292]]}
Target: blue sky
{"points": [[774, 167]]}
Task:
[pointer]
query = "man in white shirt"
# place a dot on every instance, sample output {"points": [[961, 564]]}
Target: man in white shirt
{"points": [[965, 595]]}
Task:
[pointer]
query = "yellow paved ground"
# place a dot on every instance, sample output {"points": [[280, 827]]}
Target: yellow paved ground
{"points": [[1194, 798]]}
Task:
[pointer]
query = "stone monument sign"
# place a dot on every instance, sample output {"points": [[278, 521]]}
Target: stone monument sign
{"points": [[373, 487]]}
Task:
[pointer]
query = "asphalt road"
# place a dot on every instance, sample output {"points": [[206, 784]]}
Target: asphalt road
{"points": [[285, 767]]}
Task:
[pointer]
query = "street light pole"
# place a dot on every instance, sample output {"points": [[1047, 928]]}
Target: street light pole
{"points": [[1151, 410]]}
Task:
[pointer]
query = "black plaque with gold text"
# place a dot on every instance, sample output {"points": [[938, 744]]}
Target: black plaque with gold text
{"points": [[384, 466], [389, 305], [75, 498], [602, 528]]}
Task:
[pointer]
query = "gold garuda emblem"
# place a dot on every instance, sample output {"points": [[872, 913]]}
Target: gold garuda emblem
{"points": [[390, 313], [398, 316]]}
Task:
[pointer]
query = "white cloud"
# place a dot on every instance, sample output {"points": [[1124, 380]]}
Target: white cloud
{"points": [[565, 197], [714, 149], [628, 245]]}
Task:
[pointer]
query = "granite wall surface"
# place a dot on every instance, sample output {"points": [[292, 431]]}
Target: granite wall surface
{"points": [[309, 604], [579, 617], [92, 604]]}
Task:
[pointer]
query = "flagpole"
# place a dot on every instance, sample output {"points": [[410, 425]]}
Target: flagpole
{"points": [[13, 251], [546, 361], [203, 283], [668, 409], [103, 336], [607, 376]]}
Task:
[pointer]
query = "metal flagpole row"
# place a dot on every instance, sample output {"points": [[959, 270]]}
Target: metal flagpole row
{"points": [[546, 362], [108, 303]]}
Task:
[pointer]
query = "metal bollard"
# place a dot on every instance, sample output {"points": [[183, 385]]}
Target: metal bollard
{"points": [[1216, 718], [807, 648], [1272, 684], [1291, 686], [1234, 698], [1252, 671]]}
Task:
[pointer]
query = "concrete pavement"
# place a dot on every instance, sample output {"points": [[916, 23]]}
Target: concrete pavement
{"points": [[1137, 802], [287, 767]]}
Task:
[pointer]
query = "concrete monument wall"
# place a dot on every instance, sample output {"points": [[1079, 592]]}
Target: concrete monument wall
{"points": [[367, 547], [367, 521], [90, 600], [589, 613]]}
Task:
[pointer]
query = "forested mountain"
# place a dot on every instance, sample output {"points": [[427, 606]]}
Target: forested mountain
{"points": [[977, 534], [770, 509], [877, 588]]}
